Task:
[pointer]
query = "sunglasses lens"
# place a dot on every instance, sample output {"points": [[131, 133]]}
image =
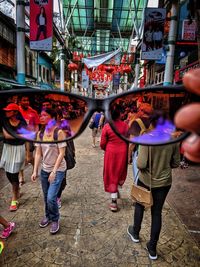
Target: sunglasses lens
{"points": [[150, 115], [26, 114]]}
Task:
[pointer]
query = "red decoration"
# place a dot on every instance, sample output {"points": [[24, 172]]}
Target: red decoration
{"points": [[127, 69], [124, 58], [72, 66], [109, 68]]}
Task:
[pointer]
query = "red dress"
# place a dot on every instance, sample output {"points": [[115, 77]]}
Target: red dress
{"points": [[115, 157]]}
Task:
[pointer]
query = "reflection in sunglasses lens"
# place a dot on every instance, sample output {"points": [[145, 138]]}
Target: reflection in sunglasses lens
{"points": [[150, 115], [34, 113]]}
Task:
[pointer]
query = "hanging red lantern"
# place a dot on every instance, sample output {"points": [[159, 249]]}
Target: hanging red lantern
{"points": [[109, 69], [72, 66], [127, 69]]}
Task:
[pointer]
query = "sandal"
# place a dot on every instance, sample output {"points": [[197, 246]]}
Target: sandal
{"points": [[14, 205]]}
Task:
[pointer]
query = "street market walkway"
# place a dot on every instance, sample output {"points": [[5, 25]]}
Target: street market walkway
{"points": [[90, 234]]}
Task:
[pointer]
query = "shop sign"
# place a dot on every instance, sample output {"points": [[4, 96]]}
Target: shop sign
{"points": [[180, 73], [189, 30], [152, 45]]}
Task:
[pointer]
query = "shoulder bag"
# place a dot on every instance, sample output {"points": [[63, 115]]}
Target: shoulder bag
{"points": [[140, 194], [70, 155], [92, 125]]}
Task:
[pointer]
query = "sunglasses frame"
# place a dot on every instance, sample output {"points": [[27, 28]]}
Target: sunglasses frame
{"points": [[100, 105]]}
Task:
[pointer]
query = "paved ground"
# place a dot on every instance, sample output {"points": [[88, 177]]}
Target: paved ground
{"points": [[90, 235]]}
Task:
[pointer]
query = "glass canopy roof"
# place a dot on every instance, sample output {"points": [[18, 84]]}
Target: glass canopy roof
{"points": [[103, 25]]}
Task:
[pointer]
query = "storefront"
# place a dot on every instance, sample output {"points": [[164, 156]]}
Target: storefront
{"points": [[178, 75]]}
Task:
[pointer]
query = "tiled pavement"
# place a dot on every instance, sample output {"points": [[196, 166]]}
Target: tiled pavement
{"points": [[90, 234]]}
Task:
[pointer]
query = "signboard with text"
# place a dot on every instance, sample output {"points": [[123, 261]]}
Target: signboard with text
{"points": [[189, 30], [152, 45], [41, 24]]}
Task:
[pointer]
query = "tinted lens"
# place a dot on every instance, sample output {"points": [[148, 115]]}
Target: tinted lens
{"points": [[25, 115], [150, 115]]}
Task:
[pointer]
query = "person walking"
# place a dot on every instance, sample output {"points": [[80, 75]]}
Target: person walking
{"points": [[63, 124], [32, 119], [115, 157], [15, 151], [98, 119], [53, 167], [155, 164]]}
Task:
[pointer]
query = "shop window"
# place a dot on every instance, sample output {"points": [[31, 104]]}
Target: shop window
{"points": [[31, 64], [26, 61], [40, 72], [43, 74], [48, 77]]}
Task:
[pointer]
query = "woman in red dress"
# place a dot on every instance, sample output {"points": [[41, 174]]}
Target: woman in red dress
{"points": [[115, 157]]}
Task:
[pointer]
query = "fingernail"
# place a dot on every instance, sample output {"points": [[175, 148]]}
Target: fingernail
{"points": [[192, 139]]}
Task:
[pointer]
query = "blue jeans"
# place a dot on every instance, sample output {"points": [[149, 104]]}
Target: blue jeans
{"points": [[134, 166], [159, 195], [50, 191]]}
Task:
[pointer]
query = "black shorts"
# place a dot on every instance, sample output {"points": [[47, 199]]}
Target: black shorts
{"points": [[13, 177]]}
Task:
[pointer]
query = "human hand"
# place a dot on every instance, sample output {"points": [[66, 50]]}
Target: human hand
{"points": [[33, 176], [188, 117], [52, 177]]}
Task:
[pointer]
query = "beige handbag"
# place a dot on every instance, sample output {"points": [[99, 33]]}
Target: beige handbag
{"points": [[142, 195]]}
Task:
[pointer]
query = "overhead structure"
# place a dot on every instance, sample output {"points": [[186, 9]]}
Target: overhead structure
{"points": [[105, 25]]}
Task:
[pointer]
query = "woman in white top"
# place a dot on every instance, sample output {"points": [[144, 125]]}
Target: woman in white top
{"points": [[53, 166]]}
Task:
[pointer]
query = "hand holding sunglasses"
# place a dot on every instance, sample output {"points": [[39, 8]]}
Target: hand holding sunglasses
{"points": [[74, 113], [188, 117]]}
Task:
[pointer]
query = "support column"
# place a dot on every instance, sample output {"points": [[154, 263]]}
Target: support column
{"points": [[137, 71], [20, 20], [125, 81], [169, 67], [62, 71], [76, 82]]}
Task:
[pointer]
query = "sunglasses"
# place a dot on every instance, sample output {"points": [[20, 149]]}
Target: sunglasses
{"points": [[148, 112]]}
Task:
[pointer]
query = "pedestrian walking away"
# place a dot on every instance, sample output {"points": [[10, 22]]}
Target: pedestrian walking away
{"points": [[97, 119], [115, 157], [155, 165]]}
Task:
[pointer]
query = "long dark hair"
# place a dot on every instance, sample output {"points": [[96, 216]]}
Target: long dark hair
{"points": [[115, 112], [44, 12]]}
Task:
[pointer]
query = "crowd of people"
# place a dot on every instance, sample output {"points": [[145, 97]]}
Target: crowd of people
{"points": [[152, 165]]}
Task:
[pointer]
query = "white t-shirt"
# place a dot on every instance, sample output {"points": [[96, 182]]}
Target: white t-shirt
{"points": [[41, 20], [157, 36], [50, 154]]}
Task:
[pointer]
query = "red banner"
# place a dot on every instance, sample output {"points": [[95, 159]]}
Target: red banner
{"points": [[41, 24]]}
